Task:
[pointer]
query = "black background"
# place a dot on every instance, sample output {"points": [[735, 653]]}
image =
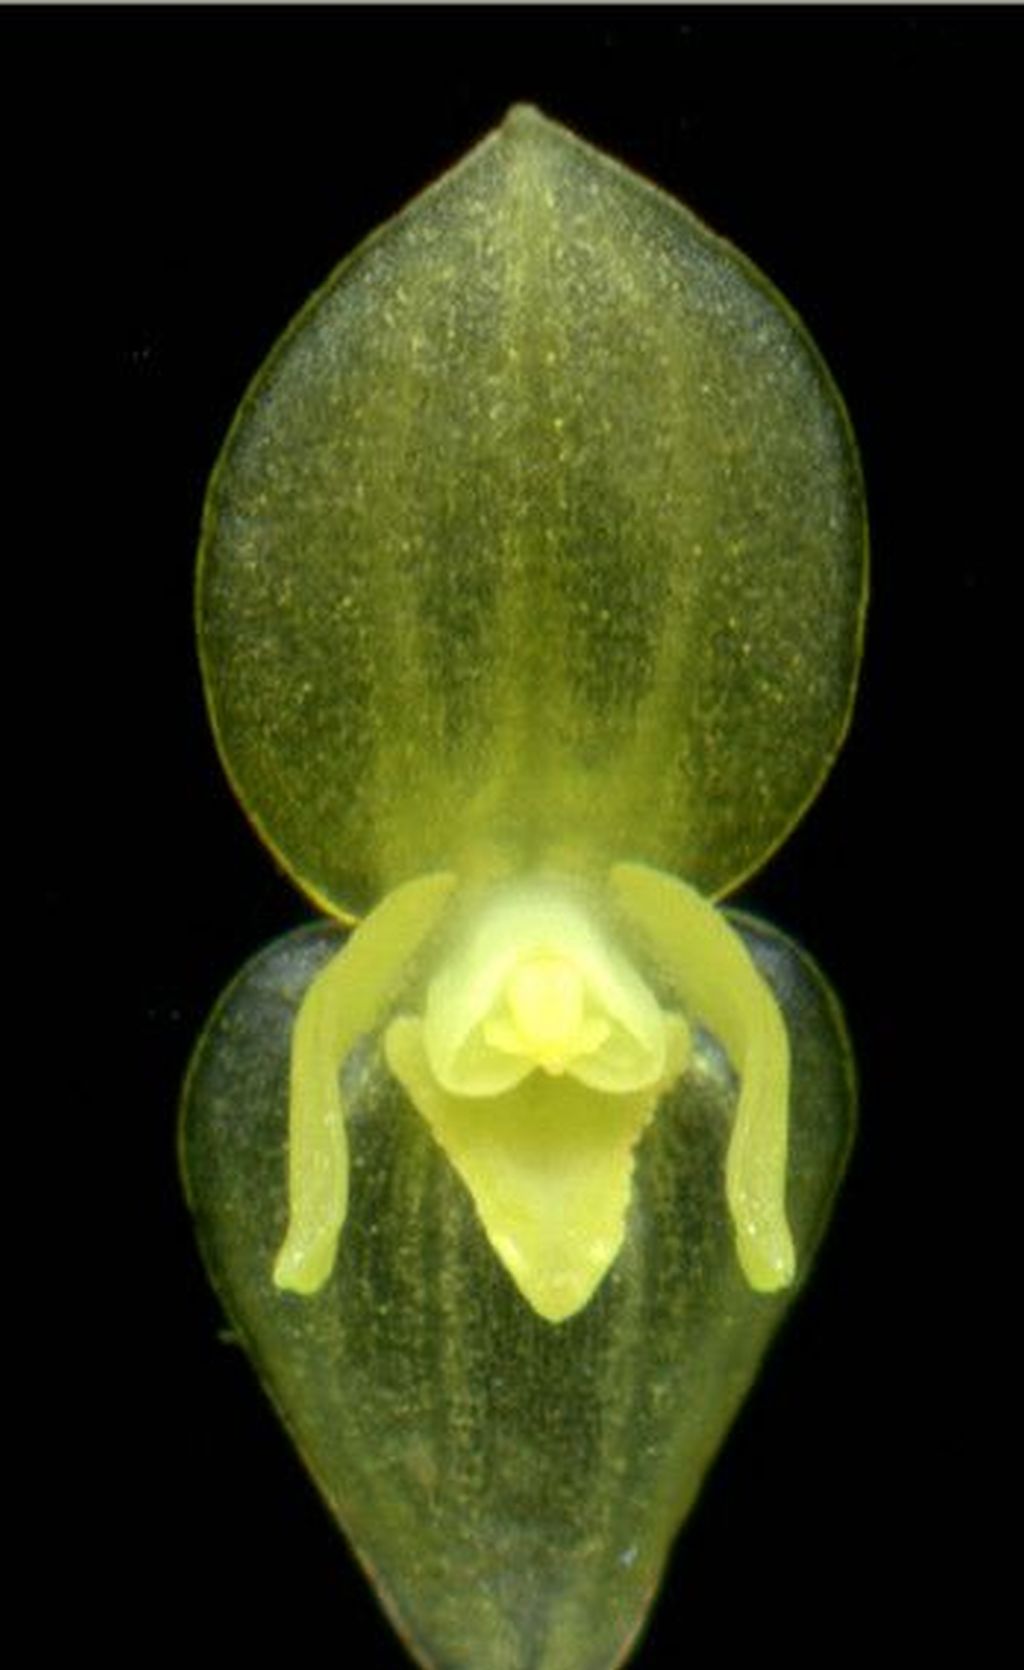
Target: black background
{"points": [[178, 183]]}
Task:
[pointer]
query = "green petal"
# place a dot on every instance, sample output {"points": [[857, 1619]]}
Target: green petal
{"points": [[344, 1003], [539, 522], [513, 1487], [715, 978]]}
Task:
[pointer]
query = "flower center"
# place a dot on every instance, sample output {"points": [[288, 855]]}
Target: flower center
{"points": [[544, 1018]]}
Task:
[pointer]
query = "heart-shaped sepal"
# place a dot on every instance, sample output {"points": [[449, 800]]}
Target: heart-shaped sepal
{"points": [[512, 1485]]}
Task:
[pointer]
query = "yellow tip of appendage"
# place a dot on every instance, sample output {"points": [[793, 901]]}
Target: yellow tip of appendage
{"points": [[767, 1257], [304, 1270]]}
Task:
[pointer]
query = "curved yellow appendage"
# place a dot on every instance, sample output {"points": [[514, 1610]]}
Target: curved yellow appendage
{"points": [[712, 971], [343, 1003], [548, 1164]]}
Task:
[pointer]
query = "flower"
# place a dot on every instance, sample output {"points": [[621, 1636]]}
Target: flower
{"points": [[539, 1056], [530, 605]]}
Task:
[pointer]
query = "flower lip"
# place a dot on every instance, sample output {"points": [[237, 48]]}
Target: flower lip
{"points": [[538, 1061]]}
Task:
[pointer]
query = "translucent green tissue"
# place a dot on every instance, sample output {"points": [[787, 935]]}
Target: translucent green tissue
{"points": [[530, 604]]}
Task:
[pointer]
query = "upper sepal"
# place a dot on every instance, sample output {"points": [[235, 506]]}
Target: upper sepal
{"points": [[539, 520]]}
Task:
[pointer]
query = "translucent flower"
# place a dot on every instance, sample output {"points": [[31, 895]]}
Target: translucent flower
{"points": [[530, 606]]}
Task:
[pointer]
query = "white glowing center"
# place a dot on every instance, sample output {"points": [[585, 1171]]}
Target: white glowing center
{"points": [[535, 983], [544, 1018]]}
